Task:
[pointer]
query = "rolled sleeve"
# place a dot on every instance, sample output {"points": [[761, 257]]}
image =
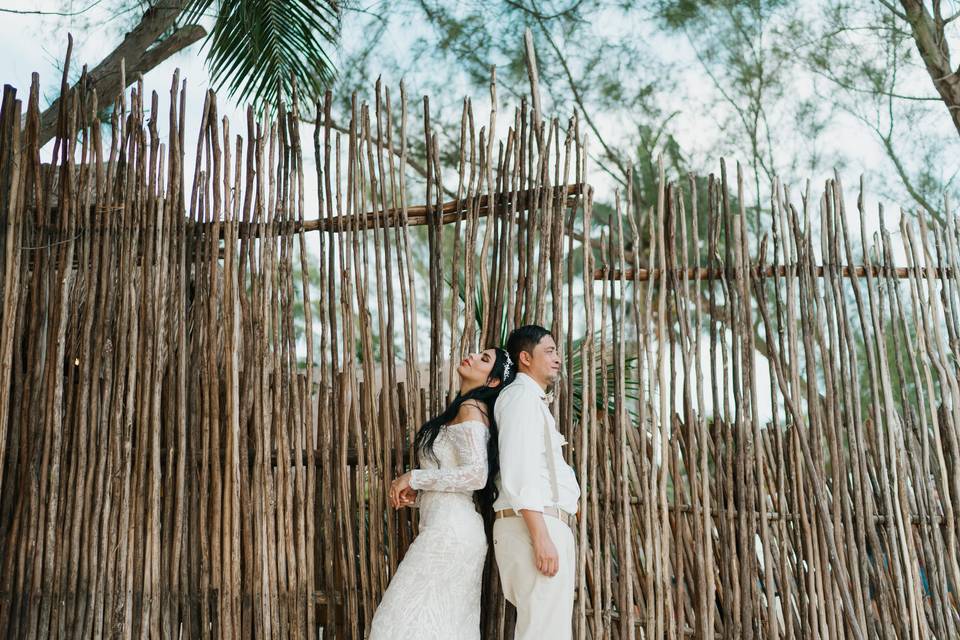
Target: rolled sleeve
{"points": [[521, 449]]}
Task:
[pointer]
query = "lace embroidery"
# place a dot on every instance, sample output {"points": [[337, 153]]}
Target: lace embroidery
{"points": [[464, 470], [435, 593]]}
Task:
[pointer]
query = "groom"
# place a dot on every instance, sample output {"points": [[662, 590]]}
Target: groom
{"points": [[533, 532]]}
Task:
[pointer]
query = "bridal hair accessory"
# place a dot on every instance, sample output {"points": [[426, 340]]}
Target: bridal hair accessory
{"points": [[506, 365]]}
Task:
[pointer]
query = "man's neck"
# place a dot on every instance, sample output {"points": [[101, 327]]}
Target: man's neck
{"points": [[543, 385]]}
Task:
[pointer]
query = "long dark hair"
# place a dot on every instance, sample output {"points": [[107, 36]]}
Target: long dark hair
{"points": [[486, 395]]}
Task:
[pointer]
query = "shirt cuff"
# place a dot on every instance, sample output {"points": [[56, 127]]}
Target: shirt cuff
{"points": [[413, 480], [528, 498]]}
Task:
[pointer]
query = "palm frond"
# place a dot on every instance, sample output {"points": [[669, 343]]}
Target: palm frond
{"points": [[259, 48], [631, 380]]}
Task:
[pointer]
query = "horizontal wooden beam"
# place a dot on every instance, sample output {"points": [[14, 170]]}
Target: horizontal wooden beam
{"points": [[857, 271], [451, 210]]}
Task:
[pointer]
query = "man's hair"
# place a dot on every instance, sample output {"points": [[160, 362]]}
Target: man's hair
{"points": [[525, 338]]}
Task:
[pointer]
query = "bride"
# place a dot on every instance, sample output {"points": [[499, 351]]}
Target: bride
{"points": [[435, 593]]}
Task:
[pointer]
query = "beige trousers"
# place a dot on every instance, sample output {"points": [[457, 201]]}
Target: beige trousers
{"points": [[544, 604]]}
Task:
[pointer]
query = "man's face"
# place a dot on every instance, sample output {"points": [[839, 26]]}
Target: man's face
{"points": [[544, 363]]}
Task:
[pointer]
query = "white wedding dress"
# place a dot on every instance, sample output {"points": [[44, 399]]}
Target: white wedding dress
{"points": [[435, 593]]}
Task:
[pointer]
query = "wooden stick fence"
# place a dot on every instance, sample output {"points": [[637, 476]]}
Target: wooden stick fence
{"points": [[202, 406], [857, 271]]}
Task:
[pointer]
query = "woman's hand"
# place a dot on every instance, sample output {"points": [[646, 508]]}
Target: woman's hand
{"points": [[401, 495], [407, 497]]}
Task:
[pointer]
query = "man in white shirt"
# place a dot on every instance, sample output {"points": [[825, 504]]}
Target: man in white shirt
{"points": [[537, 504]]}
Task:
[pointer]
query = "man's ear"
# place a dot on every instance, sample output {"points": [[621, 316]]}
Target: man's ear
{"points": [[529, 358]]}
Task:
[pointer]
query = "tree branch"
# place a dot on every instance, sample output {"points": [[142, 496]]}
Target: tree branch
{"points": [[928, 35], [137, 54], [893, 9], [905, 178], [843, 84], [613, 155], [64, 14], [570, 12]]}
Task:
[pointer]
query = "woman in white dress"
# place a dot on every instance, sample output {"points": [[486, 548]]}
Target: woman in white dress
{"points": [[435, 593]]}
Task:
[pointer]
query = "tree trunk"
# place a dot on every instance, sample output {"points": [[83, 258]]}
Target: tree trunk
{"points": [[928, 33]]}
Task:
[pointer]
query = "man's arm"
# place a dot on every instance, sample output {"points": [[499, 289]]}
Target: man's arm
{"points": [[544, 551], [519, 420]]}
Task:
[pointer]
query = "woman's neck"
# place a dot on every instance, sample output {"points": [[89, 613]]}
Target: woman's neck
{"points": [[467, 387]]}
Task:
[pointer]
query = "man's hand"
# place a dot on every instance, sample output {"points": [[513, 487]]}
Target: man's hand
{"points": [[546, 556]]}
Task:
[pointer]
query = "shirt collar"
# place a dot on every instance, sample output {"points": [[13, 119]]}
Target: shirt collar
{"points": [[524, 379]]}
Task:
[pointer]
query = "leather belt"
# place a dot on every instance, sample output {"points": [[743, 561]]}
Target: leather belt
{"points": [[561, 515]]}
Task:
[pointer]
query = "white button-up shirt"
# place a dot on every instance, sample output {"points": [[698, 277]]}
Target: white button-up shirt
{"points": [[524, 479]]}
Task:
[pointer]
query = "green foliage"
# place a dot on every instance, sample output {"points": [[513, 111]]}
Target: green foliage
{"points": [[631, 380], [258, 49]]}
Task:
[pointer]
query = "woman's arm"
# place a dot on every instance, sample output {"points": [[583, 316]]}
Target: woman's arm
{"points": [[469, 475]]}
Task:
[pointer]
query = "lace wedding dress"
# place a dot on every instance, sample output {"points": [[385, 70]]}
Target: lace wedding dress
{"points": [[435, 593]]}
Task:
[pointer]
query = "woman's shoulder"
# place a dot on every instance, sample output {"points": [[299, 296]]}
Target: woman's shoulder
{"points": [[471, 411]]}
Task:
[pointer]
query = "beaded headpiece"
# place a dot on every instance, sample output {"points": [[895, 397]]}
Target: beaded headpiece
{"points": [[506, 365]]}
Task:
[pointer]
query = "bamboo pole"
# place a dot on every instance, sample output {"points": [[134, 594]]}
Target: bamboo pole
{"points": [[819, 271]]}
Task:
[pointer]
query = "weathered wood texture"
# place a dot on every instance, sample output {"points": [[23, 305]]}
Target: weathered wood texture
{"points": [[205, 394]]}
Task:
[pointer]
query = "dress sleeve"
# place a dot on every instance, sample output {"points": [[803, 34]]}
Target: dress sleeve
{"points": [[521, 451], [469, 475]]}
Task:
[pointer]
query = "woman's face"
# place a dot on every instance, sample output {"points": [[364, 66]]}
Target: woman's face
{"points": [[475, 369]]}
